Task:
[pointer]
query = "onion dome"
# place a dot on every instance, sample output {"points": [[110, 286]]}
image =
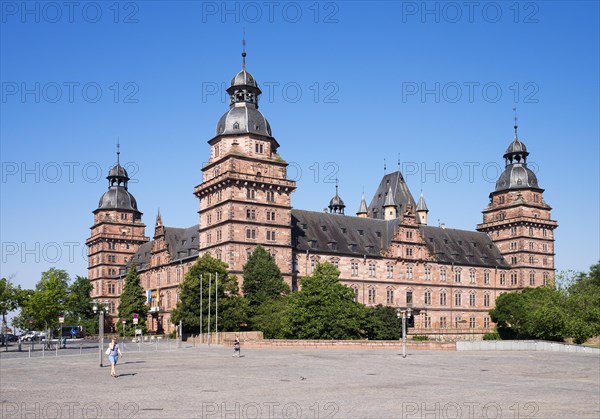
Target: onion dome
{"points": [[516, 174], [118, 197], [243, 116], [336, 204]]}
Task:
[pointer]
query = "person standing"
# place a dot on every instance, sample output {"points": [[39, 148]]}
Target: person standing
{"points": [[113, 355], [236, 346]]}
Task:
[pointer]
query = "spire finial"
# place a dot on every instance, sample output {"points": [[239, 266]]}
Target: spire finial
{"points": [[118, 150], [384, 166], [516, 119], [398, 161], [244, 50], [336, 186]]}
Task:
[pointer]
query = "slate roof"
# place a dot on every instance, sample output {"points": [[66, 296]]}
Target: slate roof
{"points": [[340, 234], [466, 248], [182, 243], [401, 195]]}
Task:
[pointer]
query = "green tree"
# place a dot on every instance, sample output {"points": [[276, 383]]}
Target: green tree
{"points": [[47, 301], [232, 308], [262, 278], [80, 306], [324, 308], [537, 313], [9, 300], [382, 323], [583, 305], [133, 301], [271, 318]]}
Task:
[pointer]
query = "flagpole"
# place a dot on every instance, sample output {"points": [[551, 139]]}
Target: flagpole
{"points": [[216, 308], [201, 337], [209, 292]]}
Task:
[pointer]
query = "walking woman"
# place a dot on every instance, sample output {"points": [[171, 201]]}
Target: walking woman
{"points": [[113, 355]]}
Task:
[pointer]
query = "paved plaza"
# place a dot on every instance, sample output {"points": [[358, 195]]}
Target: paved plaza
{"points": [[207, 382]]}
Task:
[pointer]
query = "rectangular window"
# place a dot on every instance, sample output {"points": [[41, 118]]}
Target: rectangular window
{"points": [[457, 321], [427, 321], [486, 300], [409, 298], [486, 278], [371, 270], [390, 296], [409, 272], [502, 278], [443, 298], [250, 214], [270, 196], [472, 276], [427, 297], [354, 267], [472, 322], [457, 275], [457, 299], [428, 273], [442, 275], [486, 322], [472, 299], [371, 295], [532, 279], [443, 323], [390, 271], [271, 235]]}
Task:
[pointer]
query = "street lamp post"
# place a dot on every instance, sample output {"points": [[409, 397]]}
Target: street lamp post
{"points": [[100, 331], [404, 314]]}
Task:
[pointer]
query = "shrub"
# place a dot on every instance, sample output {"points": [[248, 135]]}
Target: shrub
{"points": [[420, 337], [492, 336]]}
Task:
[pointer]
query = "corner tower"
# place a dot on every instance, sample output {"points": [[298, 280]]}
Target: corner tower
{"points": [[518, 220], [116, 235], [245, 196]]}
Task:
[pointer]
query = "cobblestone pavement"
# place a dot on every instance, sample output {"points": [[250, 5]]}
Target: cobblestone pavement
{"points": [[208, 382]]}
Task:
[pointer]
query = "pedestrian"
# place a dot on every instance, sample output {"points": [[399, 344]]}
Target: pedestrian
{"points": [[236, 346], [114, 352]]}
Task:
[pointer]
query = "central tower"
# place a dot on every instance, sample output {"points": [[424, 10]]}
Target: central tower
{"points": [[245, 196]]}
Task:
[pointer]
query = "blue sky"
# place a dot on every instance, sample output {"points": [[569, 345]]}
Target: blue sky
{"points": [[345, 86]]}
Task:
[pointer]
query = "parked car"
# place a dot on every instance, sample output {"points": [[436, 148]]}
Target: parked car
{"points": [[32, 335], [9, 337]]}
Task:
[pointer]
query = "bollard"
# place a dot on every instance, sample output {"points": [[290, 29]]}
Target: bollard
{"points": [[56, 348], [43, 351], [80, 347], [29, 351]]}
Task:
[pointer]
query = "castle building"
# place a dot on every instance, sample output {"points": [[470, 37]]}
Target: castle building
{"points": [[387, 253]]}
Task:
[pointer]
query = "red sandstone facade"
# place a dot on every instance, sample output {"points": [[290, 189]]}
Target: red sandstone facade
{"points": [[387, 254]]}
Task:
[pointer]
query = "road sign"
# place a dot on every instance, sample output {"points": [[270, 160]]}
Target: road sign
{"points": [[73, 332], [61, 318], [135, 318]]}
